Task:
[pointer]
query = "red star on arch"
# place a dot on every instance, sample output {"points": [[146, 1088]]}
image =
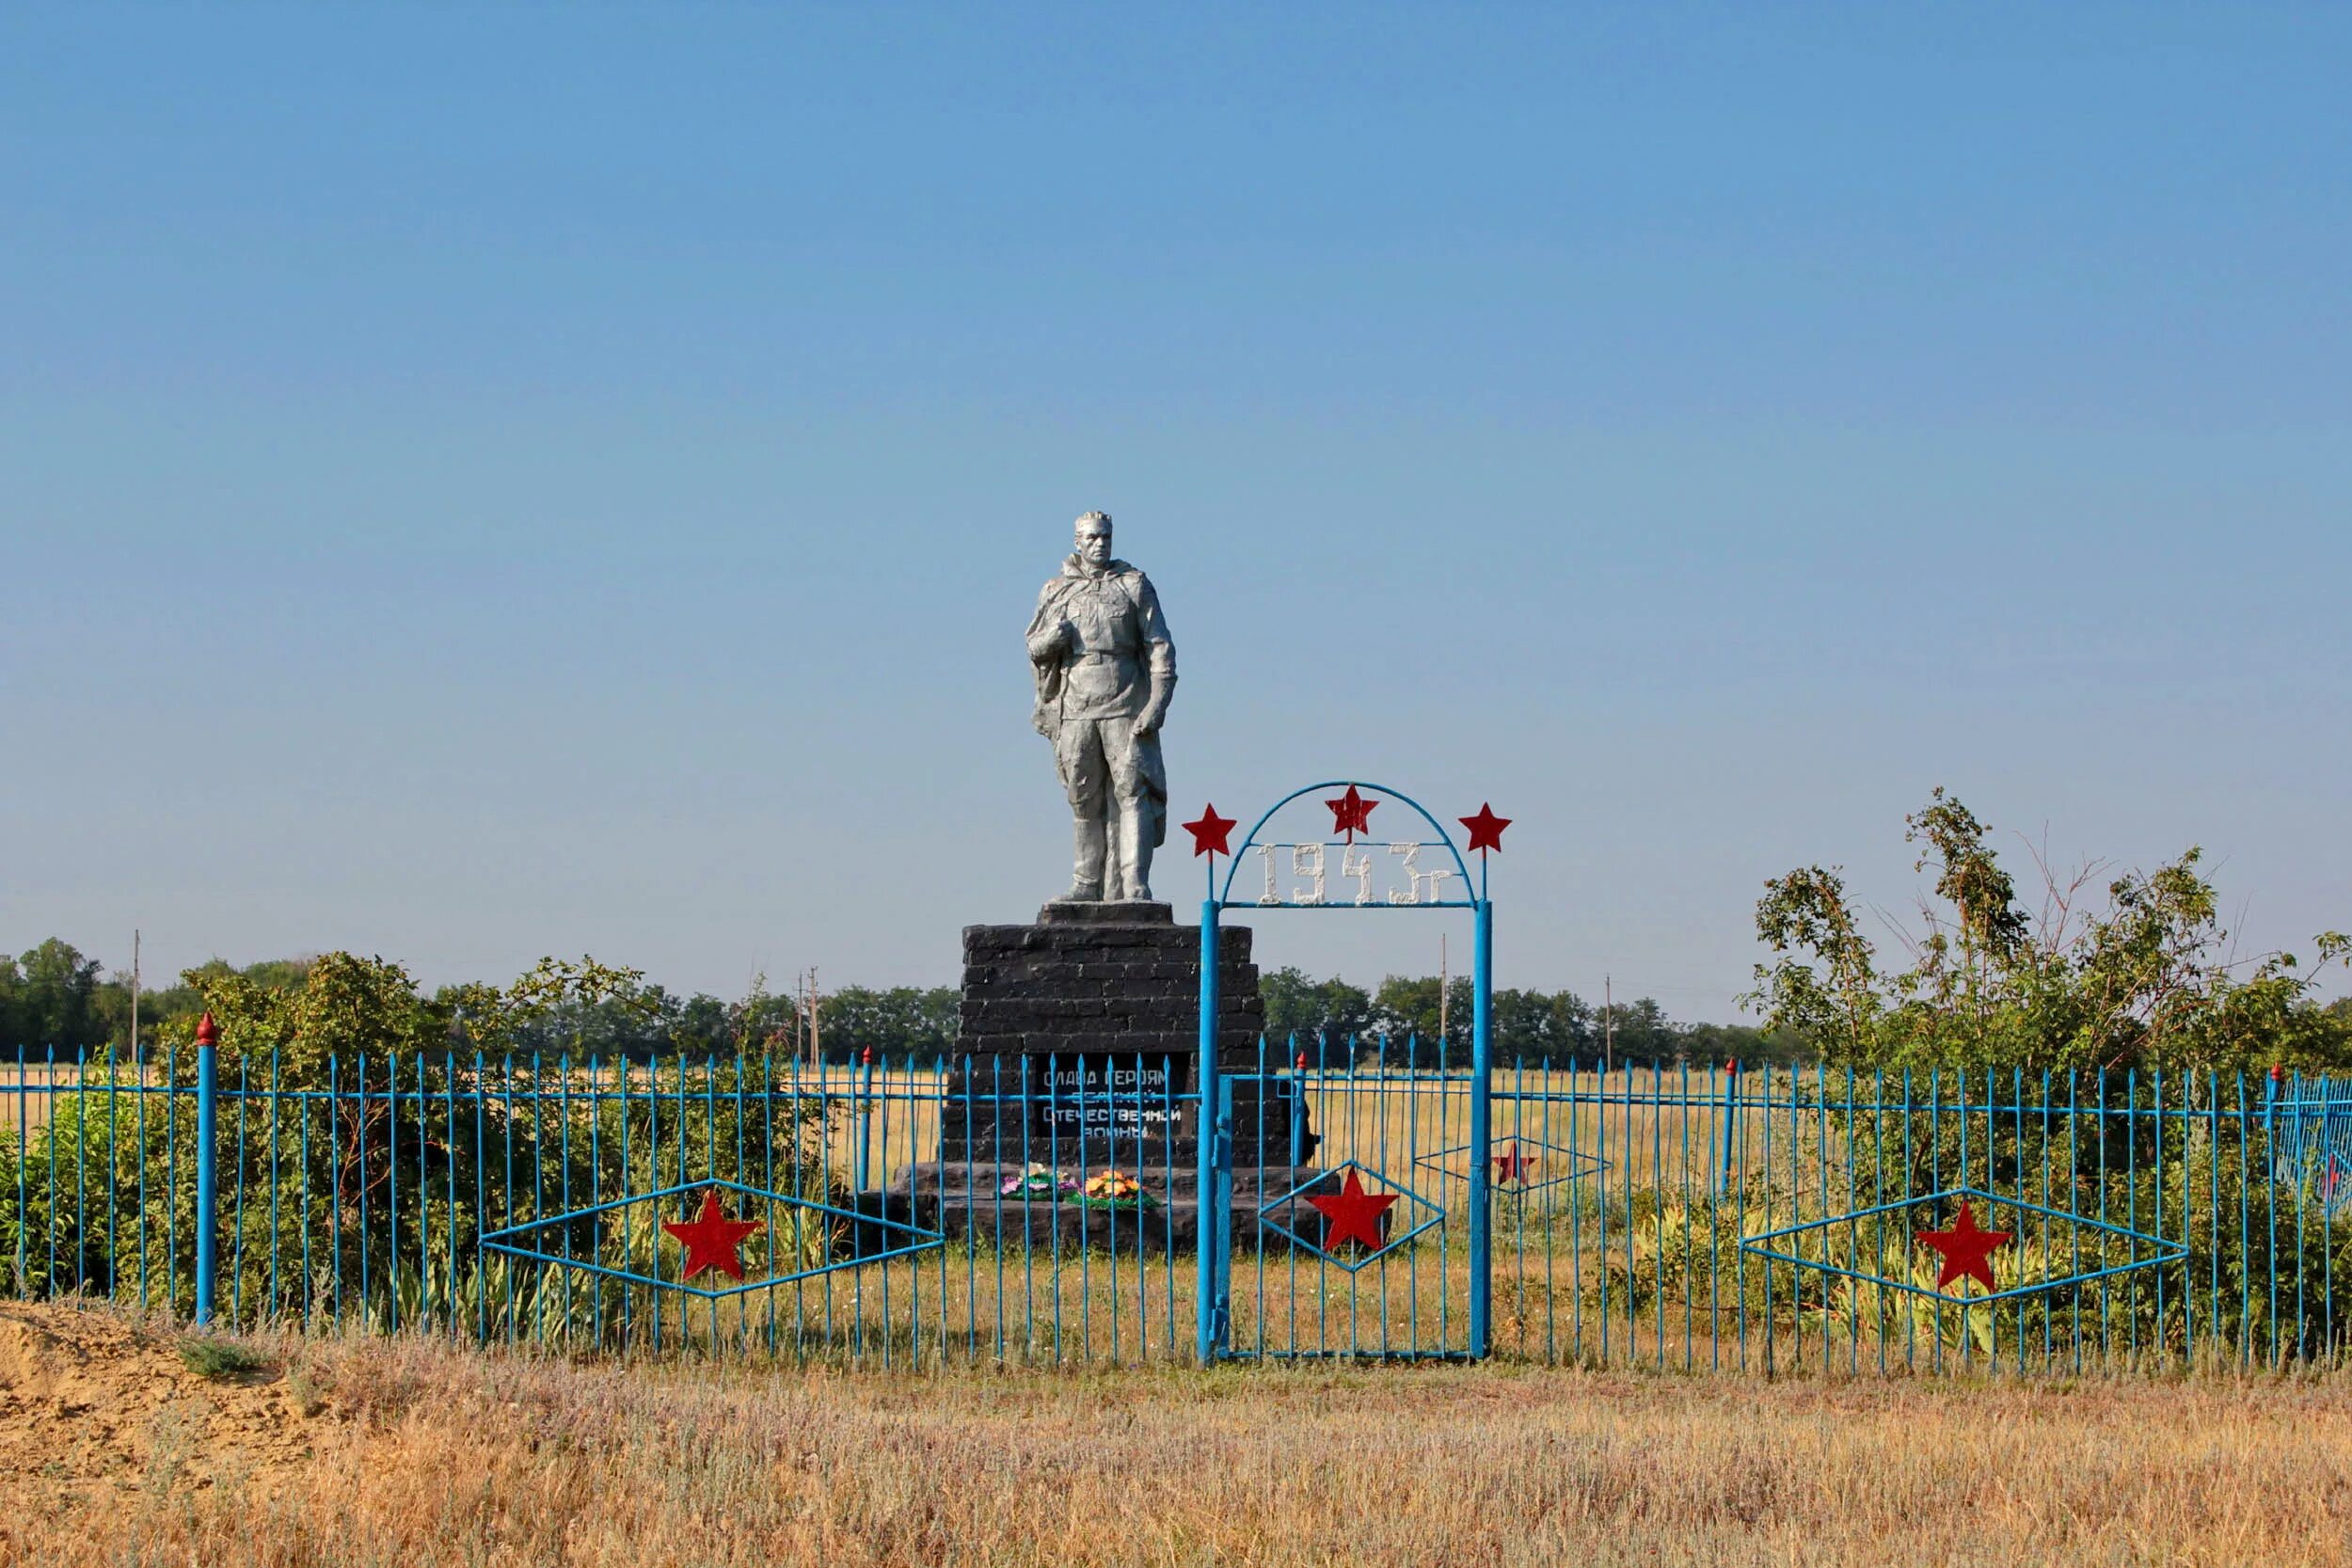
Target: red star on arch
{"points": [[1966, 1250], [1209, 833], [1486, 829], [1351, 813], [711, 1240], [1352, 1214]]}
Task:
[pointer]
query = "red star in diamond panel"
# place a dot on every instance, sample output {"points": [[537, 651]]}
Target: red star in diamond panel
{"points": [[1967, 1251], [1352, 1214], [711, 1240]]}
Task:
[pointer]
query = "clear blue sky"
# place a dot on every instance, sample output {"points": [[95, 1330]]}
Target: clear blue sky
{"points": [[477, 487]]}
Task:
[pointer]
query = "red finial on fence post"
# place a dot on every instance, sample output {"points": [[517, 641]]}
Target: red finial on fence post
{"points": [[866, 1056], [207, 1161], [1300, 1066]]}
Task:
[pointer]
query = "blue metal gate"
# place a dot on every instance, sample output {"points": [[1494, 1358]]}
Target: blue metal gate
{"points": [[1386, 1247]]}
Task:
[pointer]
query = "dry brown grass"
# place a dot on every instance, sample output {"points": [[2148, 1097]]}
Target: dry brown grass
{"points": [[417, 1452]]}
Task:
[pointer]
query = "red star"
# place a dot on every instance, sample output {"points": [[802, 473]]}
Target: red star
{"points": [[1352, 1214], [1208, 834], [1351, 813], [711, 1240], [1486, 829], [1967, 1251], [1511, 1165]]}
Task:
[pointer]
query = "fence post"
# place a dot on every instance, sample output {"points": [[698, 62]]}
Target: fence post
{"points": [[865, 1114], [1731, 1122], [1481, 1133], [207, 1161], [1208, 1274], [1298, 1111]]}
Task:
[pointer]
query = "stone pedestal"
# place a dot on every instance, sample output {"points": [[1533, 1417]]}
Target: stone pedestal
{"points": [[1091, 979], [1082, 1031], [1099, 1006]]}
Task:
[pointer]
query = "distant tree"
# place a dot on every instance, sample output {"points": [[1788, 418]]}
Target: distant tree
{"points": [[1541, 1028], [1406, 1016], [346, 1006], [1300, 1012], [2145, 981], [1712, 1044], [50, 997], [1639, 1031], [902, 1022]]}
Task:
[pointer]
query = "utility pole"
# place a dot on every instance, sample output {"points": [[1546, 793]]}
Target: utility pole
{"points": [[1441, 996], [1607, 1023], [815, 1020], [135, 997], [799, 1018]]}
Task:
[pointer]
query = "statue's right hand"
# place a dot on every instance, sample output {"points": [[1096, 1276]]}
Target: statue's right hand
{"points": [[1052, 641]]}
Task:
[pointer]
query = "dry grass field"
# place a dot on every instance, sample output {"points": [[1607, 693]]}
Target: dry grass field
{"points": [[1637, 1122], [409, 1451]]}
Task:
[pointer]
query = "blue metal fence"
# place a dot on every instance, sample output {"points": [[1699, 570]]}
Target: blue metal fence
{"points": [[921, 1214]]}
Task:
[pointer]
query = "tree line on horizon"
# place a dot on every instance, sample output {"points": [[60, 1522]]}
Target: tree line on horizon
{"points": [[1401, 1021], [2106, 970], [55, 996]]}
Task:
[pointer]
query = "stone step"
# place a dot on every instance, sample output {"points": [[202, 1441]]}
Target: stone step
{"points": [[1172, 1224], [984, 1179]]}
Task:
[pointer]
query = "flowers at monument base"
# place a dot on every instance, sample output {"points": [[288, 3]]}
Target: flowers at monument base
{"points": [[1114, 1189], [1038, 1182]]}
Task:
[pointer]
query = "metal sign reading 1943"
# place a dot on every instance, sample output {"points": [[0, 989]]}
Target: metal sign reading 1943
{"points": [[1359, 1223]]}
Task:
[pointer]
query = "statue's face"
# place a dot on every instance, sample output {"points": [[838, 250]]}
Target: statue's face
{"points": [[1094, 541]]}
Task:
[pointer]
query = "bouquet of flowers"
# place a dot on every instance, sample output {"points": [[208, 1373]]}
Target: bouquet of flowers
{"points": [[1038, 1182], [1115, 1189]]}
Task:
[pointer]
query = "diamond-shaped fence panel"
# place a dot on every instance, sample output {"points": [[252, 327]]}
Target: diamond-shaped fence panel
{"points": [[1350, 1215], [1962, 1246], [751, 1238], [1517, 1166]]}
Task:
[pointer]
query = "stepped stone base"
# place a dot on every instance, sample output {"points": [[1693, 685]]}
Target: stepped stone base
{"points": [[1096, 979], [962, 1200], [1085, 1026]]}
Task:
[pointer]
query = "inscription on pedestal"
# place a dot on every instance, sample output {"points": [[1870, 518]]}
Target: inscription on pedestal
{"points": [[1112, 1094], [1101, 1003]]}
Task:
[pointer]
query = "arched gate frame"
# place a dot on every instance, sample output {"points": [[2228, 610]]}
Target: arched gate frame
{"points": [[1216, 1251]]}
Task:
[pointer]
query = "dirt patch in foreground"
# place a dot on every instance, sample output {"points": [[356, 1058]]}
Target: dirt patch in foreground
{"points": [[93, 1399], [424, 1451]]}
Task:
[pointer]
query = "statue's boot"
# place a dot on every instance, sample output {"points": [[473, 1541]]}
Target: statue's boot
{"points": [[1088, 886], [1134, 851]]}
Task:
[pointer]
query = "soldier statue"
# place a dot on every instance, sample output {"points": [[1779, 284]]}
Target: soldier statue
{"points": [[1105, 669]]}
